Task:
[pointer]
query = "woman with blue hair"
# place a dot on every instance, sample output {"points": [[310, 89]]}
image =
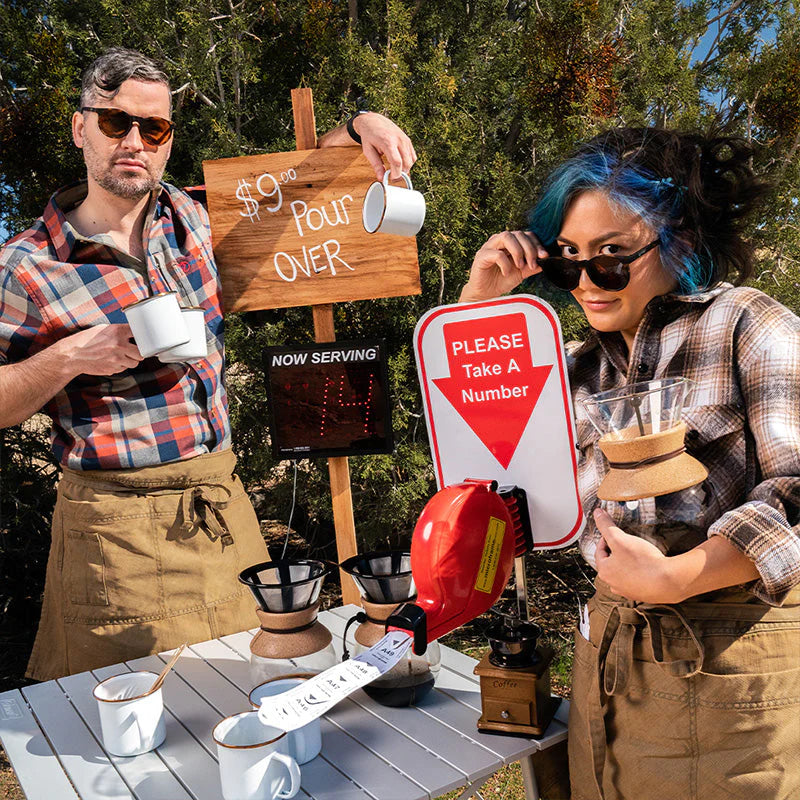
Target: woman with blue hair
{"points": [[687, 682]]}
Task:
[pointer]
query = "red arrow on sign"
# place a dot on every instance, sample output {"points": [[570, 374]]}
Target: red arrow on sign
{"points": [[493, 384]]}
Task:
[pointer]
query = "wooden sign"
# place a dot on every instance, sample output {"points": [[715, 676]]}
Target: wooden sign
{"points": [[287, 231]]}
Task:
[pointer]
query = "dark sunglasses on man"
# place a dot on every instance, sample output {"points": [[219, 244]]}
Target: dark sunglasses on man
{"points": [[611, 273], [115, 123]]}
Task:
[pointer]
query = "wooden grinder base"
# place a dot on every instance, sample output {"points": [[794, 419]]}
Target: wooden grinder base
{"points": [[517, 700]]}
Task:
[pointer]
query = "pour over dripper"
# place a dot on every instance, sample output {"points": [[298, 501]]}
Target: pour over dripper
{"points": [[285, 585], [291, 639], [642, 438], [382, 577]]}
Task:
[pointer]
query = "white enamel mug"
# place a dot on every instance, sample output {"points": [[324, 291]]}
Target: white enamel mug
{"points": [[254, 762], [131, 721], [304, 743], [393, 209], [197, 346], [157, 323]]}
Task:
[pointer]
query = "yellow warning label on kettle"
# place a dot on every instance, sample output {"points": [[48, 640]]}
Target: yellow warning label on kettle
{"points": [[491, 555]]}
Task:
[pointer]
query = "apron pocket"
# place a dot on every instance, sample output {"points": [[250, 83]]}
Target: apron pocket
{"points": [[111, 553], [84, 569], [748, 733]]}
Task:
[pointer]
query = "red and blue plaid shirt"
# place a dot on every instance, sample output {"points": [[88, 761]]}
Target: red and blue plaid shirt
{"points": [[54, 282]]}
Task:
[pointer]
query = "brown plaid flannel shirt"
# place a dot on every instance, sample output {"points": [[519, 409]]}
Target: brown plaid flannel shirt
{"points": [[742, 349]]}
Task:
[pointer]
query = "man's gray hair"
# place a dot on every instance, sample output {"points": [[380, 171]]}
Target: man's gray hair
{"points": [[109, 71]]}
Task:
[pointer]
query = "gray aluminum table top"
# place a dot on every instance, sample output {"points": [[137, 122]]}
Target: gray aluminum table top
{"points": [[51, 734]]}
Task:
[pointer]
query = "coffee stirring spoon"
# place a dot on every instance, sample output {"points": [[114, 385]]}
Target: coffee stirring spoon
{"points": [[167, 667]]}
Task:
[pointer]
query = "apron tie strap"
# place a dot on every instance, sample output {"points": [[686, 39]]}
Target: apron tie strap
{"points": [[200, 509], [615, 662]]}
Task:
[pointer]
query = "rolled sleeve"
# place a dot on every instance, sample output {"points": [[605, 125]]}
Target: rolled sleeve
{"points": [[765, 536], [21, 323], [766, 528]]}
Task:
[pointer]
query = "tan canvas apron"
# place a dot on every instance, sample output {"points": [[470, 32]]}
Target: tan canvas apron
{"points": [[144, 559], [696, 701]]}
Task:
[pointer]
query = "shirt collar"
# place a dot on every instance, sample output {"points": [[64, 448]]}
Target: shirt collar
{"points": [[64, 236]]}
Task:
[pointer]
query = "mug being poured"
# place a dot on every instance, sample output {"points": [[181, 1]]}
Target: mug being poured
{"points": [[393, 209]]}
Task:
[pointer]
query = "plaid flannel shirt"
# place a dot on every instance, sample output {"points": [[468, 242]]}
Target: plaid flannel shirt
{"points": [[742, 349], [54, 282]]}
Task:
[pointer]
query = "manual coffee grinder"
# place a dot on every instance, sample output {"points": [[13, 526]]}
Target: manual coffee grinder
{"points": [[291, 639], [384, 580], [515, 673]]}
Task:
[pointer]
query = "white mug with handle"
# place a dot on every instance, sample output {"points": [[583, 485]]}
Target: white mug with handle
{"points": [[393, 209], [254, 762], [304, 743], [131, 715], [157, 324]]}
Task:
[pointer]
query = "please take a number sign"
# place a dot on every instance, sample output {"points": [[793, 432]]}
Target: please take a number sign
{"points": [[287, 231]]}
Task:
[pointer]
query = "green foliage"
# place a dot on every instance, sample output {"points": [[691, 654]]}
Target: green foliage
{"points": [[493, 93], [27, 496]]}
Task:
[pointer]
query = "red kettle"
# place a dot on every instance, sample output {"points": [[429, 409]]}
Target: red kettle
{"points": [[462, 553]]}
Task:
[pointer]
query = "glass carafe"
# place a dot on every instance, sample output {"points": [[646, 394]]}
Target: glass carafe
{"points": [[385, 581]]}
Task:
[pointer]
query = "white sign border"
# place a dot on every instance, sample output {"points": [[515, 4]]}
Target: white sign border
{"points": [[547, 310]]}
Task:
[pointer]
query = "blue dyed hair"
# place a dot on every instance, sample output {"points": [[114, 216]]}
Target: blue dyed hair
{"points": [[690, 190]]}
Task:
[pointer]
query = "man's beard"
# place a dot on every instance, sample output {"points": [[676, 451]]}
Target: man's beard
{"points": [[128, 187]]}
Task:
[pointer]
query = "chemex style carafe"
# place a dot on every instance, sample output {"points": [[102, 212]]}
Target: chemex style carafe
{"points": [[653, 487], [291, 639], [384, 580]]}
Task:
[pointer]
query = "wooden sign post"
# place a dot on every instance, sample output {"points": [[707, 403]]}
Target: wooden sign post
{"points": [[287, 232]]}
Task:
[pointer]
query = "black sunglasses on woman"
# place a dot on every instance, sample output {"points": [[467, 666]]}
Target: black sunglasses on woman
{"points": [[611, 273]]}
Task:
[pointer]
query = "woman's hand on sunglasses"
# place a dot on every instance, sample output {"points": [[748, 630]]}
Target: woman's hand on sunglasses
{"points": [[504, 261]]}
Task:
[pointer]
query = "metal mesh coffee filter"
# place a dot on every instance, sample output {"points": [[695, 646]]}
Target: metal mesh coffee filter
{"points": [[382, 577], [285, 585]]}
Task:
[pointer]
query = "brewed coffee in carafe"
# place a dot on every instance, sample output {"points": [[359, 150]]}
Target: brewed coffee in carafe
{"points": [[384, 581]]}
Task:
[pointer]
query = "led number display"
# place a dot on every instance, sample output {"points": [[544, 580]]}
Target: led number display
{"points": [[329, 399]]}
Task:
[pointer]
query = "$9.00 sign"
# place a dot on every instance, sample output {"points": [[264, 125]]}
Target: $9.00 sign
{"points": [[498, 406], [287, 231]]}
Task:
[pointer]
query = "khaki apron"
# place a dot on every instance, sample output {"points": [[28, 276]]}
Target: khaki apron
{"points": [[694, 701], [142, 560]]}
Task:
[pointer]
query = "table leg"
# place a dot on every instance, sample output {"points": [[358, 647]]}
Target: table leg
{"points": [[529, 779], [473, 790]]}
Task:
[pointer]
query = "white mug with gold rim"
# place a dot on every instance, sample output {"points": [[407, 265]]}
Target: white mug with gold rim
{"points": [[393, 209], [131, 718], [254, 760], [304, 743]]}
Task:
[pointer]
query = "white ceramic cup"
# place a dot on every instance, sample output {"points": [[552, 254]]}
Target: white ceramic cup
{"points": [[393, 209], [157, 323], [254, 762], [197, 346], [304, 743], [132, 722]]}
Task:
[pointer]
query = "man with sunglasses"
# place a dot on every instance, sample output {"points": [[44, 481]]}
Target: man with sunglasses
{"points": [[151, 526]]}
